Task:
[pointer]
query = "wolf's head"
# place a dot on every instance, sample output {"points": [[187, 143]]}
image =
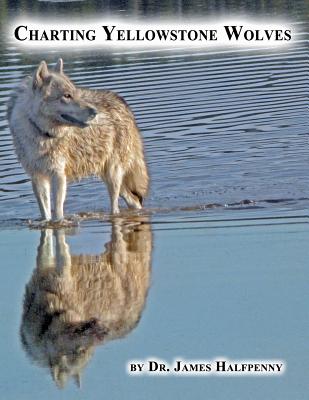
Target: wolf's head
{"points": [[70, 347], [57, 101], [64, 347]]}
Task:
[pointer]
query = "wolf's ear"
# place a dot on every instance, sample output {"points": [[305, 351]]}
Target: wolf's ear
{"points": [[40, 75], [77, 380], [59, 66], [59, 377]]}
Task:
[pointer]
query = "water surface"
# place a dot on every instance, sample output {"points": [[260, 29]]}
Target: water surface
{"points": [[219, 126], [235, 289]]}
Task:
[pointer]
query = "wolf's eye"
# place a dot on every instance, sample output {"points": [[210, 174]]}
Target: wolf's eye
{"points": [[67, 96], [81, 350]]}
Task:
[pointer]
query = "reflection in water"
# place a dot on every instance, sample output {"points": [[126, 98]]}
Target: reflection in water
{"points": [[75, 302]]}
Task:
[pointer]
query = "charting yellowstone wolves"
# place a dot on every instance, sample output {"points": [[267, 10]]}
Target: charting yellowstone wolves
{"points": [[62, 132], [74, 302]]}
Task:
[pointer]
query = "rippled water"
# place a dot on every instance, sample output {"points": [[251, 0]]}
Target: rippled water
{"points": [[219, 127]]}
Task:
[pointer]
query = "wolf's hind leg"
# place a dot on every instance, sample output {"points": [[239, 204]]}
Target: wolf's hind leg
{"points": [[119, 251], [41, 188], [113, 179], [131, 199]]}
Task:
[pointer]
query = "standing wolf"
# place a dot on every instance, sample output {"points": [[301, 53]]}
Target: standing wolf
{"points": [[62, 132]]}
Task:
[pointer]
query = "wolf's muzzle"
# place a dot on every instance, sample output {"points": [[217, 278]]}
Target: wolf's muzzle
{"points": [[82, 123], [92, 112]]}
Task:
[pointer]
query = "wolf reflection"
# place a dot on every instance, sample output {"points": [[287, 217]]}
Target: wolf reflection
{"points": [[73, 303]]}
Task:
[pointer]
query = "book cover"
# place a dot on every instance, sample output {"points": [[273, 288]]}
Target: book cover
{"points": [[154, 199]]}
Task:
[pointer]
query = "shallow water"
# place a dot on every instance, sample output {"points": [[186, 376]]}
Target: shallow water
{"points": [[219, 126], [226, 140], [218, 289]]}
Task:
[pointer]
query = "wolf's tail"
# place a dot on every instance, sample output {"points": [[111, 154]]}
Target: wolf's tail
{"points": [[136, 180]]}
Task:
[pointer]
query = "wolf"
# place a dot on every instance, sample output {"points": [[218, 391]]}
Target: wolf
{"points": [[74, 302], [62, 132]]}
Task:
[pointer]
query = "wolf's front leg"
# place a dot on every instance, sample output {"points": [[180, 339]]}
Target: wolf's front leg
{"points": [[41, 188], [59, 192], [45, 253], [63, 255]]}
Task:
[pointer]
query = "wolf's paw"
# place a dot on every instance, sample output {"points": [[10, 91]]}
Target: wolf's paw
{"points": [[68, 222], [38, 224]]}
